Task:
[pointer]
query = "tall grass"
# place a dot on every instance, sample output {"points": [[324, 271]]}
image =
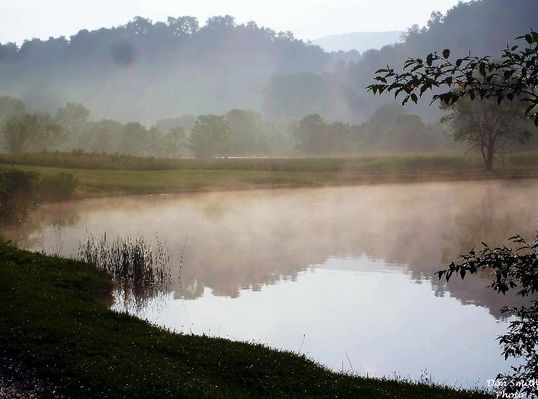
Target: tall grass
{"points": [[359, 162], [140, 269]]}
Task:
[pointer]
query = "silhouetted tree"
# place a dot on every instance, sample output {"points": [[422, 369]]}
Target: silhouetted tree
{"points": [[488, 126]]}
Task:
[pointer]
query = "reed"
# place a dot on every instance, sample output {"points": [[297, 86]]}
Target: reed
{"points": [[139, 268]]}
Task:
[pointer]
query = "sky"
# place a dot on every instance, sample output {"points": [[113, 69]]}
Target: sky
{"points": [[307, 19]]}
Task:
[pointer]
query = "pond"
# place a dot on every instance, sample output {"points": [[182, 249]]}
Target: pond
{"points": [[343, 275]]}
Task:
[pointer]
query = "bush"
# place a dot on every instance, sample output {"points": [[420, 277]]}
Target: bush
{"points": [[21, 191], [18, 194], [57, 187]]}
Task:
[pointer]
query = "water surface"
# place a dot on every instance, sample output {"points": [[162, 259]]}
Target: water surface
{"points": [[343, 275]]}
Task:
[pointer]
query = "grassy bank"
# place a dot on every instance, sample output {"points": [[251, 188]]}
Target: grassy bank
{"points": [[99, 174], [54, 320]]}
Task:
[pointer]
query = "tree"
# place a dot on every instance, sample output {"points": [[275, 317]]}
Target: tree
{"points": [[246, 132], [486, 125], [105, 135], [155, 142], [17, 130], [310, 134], [186, 122], [134, 139], [73, 118], [183, 26], [381, 121], [313, 135], [407, 133], [31, 132], [47, 134], [9, 107], [210, 136], [18, 194], [175, 142], [512, 78]]}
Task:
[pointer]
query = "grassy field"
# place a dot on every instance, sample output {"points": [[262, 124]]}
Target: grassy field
{"points": [[112, 175], [55, 322]]}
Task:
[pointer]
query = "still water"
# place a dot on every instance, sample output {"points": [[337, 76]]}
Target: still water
{"points": [[342, 275]]}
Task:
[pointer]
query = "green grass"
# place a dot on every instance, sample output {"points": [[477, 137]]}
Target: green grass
{"points": [[110, 175], [53, 317]]}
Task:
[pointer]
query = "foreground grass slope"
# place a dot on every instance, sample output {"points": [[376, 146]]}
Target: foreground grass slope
{"points": [[54, 319], [100, 174]]}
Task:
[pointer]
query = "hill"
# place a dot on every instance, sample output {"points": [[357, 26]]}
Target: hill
{"points": [[146, 70], [359, 41]]}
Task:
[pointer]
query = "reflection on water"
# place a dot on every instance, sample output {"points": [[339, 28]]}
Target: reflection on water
{"points": [[349, 271]]}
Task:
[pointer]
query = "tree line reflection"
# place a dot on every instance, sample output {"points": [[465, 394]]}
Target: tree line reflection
{"points": [[233, 241]]}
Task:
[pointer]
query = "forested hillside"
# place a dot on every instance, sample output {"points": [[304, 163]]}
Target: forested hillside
{"points": [[147, 71]]}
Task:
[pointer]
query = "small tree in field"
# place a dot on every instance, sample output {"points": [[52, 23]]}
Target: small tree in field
{"points": [[487, 126], [513, 78]]}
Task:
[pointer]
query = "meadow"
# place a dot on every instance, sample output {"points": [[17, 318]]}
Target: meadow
{"points": [[101, 174]]}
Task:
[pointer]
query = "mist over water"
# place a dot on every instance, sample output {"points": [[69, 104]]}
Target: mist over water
{"points": [[343, 275]]}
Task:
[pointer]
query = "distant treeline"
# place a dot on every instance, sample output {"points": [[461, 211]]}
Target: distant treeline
{"points": [[147, 70], [236, 133]]}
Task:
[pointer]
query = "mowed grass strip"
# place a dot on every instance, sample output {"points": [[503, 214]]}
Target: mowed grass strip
{"points": [[186, 175]]}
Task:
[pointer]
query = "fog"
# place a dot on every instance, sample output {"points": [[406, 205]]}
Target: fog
{"points": [[246, 240], [147, 70]]}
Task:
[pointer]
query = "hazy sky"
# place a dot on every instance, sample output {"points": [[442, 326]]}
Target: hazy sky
{"points": [[308, 19]]}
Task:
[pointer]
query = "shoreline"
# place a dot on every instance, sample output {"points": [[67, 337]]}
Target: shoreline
{"points": [[100, 183], [55, 316]]}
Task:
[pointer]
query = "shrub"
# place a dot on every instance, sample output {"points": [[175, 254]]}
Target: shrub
{"points": [[58, 187], [18, 194]]}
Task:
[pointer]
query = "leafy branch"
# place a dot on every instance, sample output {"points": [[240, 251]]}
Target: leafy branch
{"points": [[511, 270], [513, 77]]}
